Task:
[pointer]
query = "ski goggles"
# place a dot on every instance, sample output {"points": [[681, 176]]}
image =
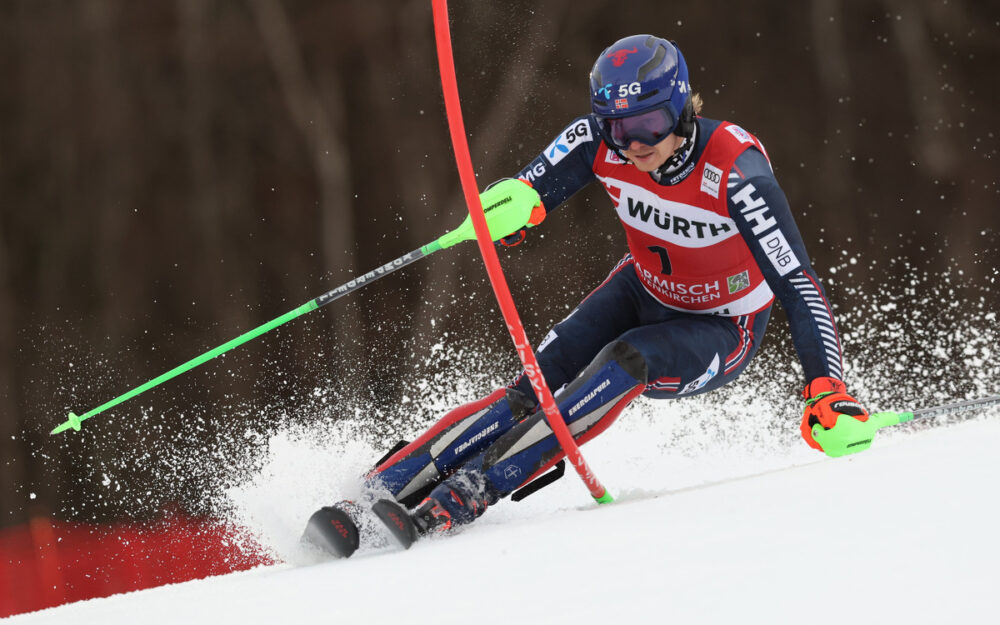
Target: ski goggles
{"points": [[647, 128]]}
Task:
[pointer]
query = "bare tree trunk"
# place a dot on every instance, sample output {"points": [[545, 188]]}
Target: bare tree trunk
{"points": [[112, 116], [48, 79], [490, 138], [221, 258], [936, 148], [833, 69], [11, 448], [319, 129], [204, 175]]}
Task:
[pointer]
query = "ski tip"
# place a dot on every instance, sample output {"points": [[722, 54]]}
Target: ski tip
{"points": [[333, 531], [397, 520]]}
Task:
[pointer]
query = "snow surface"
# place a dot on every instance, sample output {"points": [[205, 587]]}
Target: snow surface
{"points": [[903, 533]]}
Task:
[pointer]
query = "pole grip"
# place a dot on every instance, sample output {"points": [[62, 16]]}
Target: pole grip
{"points": [[849, 436]]}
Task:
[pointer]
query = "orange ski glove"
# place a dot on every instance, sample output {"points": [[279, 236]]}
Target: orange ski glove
{"points": [[826, 401]]}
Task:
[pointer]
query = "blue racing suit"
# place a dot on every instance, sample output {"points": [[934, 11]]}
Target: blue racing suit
{"points": [[711, 244]]}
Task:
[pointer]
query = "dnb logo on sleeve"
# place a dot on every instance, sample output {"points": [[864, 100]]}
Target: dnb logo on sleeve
{"points": [[568, 141]]}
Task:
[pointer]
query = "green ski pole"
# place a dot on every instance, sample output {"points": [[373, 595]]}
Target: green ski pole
{"points": [[850, 436], [511, 205]]}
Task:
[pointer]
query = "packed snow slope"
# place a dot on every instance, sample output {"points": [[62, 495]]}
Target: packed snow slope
{"points": [[903, 533]]}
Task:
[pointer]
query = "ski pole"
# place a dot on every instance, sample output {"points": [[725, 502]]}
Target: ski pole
{"points": [[850, 436], [467, 176], [504, 217]]}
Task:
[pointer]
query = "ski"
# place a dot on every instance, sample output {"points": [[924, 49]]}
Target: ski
{"points": [[340, 529], [333, 530], [397, 520]]}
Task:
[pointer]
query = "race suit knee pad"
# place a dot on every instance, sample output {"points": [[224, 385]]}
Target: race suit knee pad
{"points": [[466, 431]]}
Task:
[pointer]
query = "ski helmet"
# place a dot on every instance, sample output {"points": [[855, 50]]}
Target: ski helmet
{"points": [[639, 91]]}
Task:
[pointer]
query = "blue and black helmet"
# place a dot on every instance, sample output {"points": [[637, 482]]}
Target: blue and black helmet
{"points": [[642, 78]]}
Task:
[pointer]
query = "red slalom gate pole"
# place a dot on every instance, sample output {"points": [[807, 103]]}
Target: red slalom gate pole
{"points": [[456, 126]]}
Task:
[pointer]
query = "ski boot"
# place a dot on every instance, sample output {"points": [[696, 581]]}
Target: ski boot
{"points": [[429, 517]]}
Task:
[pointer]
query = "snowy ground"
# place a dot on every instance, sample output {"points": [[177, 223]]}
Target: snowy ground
{"points": [[903, 533]]}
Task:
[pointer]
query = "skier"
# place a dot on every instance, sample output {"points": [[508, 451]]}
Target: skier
{"points": [[711, 242]]}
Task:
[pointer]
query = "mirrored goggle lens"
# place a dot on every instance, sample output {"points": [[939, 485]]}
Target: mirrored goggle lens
{"points": [[647, 128]]}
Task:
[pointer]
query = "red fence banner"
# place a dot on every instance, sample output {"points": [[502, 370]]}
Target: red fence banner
{"points": [[45, 563]]}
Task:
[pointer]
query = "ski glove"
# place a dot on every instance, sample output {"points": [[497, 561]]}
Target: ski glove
{"points": [[514, 190], [826, 401]]}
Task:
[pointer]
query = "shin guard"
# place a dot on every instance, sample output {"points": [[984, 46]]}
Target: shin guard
{"points": [[413, 471], [589, 405]]}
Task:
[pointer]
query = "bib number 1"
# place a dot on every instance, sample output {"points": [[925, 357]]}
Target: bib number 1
{"points": [[664, 258]]}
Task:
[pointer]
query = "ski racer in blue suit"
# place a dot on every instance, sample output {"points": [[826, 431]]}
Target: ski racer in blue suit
{"points": [[711, 243]]}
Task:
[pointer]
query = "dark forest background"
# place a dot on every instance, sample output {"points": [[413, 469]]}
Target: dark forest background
{"points": [[176, 172]]}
